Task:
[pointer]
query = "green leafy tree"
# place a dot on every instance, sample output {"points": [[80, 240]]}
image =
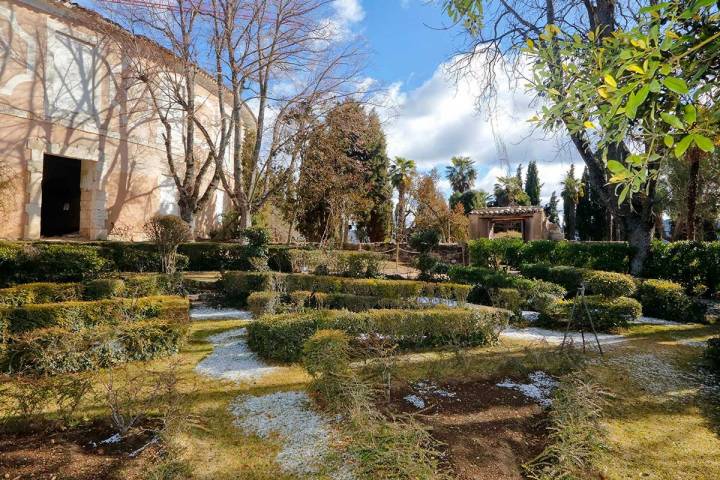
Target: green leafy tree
{"points": [[402, 173], [551, 209], [689, 45], [591, 217], [470, 200], [573, 190], [508, 191], [532, 183], [461, 174], [519, 174]]}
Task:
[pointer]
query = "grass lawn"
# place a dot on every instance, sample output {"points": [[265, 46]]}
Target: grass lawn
{"points": [[657, 423]]}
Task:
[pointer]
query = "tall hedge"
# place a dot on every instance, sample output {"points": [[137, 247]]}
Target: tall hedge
{"points": [[609, 284], [281, 337], [609, 256], [695, 265]]}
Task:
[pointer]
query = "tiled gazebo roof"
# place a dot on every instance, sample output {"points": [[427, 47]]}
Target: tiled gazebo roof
{"points": [[507, 211]]}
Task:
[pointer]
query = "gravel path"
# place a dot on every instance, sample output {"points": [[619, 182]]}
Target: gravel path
{"points": [[231, 359], [555, 337], [305, 434], [210, 313]]}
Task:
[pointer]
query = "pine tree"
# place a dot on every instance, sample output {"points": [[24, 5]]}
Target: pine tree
{"points": [[591, 218], [551, 209], [532, 183]]}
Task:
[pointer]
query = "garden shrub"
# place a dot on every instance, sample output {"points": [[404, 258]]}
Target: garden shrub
{"points": [[326, 357], [507, 298], [606, 312], [712, 353], [167, 232], [261, 303], [357, 264], [237, 286], [268, 302], [597, 282], [610, 284], [58, 350], [103, 288], [40, 292], [77, 315], [667, 300], [281, 337]]}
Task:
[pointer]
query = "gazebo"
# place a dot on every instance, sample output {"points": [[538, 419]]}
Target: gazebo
{"points": [[529, 221]]}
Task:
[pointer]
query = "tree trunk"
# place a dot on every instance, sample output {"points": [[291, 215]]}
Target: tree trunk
{"points": [[639, 236], [692, 192]]}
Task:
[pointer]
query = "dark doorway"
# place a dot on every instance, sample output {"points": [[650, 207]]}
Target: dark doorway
{"points": [[60, 209]]}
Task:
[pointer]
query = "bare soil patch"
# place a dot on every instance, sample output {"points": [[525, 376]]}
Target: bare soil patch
{"points": [[72, 454], [488, 432]]}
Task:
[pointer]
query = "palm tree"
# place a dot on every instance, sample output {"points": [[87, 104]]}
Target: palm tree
{"points": [[402, 172], [573, 189], [461, 174]]}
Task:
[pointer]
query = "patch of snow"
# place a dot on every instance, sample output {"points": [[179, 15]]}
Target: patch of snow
{"points": [[693, 343], [430, 388], [116, 438], [555, 337], [539, 389], [437, 301], [209, 313], [231, 359], [305, 435], [415, 401], [530, 316], [653, 321]]}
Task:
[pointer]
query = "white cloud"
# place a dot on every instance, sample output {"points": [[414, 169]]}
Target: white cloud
{"points": [[439, 119], [346, 14]]}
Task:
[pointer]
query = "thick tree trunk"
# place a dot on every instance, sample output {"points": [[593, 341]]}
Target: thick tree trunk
{"points": [[692, 192], [639, 234]]}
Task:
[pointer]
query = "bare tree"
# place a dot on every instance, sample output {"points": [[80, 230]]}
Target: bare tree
{"points": [[282, 56]]}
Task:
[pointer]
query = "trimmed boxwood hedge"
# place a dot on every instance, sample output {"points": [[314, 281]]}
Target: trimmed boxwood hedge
{"points": [[132, 285], [667, 300], [58, 350], [357, 264], [281, 337], [77, 315], [695, 265], [269, 302], [610, 284], [609, 256], [607, 313], [237, 286]]}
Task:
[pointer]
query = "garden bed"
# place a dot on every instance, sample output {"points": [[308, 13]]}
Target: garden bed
{"points": [[488, 431]]}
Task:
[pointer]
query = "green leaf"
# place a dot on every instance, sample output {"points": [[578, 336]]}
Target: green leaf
{"points": [[636, 99], [677, 85], [623, 194], [690, 114], [672, 120], [655, 86], [615, 167], [704, 143], [669, 141], [682, 146]]}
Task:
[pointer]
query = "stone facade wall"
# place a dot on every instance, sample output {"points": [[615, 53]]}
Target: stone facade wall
{"points": [[64, 91]]}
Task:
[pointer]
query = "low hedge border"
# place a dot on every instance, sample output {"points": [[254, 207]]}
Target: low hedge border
{"points": [[281, 337], [268, 302], [128, 285], [237, 286], [598, 282], [607, 313], [77, 315], [357, 264], [58, 350]]}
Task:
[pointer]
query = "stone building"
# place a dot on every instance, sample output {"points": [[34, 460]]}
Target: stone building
{"points": [[86, 153], [530, 222]]}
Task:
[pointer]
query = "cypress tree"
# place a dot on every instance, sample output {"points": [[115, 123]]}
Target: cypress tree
{"points": [[551, 209], [532, 183], [591, 218]]}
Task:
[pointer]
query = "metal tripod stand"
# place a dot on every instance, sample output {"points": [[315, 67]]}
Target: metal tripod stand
{"points": [[581, 303]]}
